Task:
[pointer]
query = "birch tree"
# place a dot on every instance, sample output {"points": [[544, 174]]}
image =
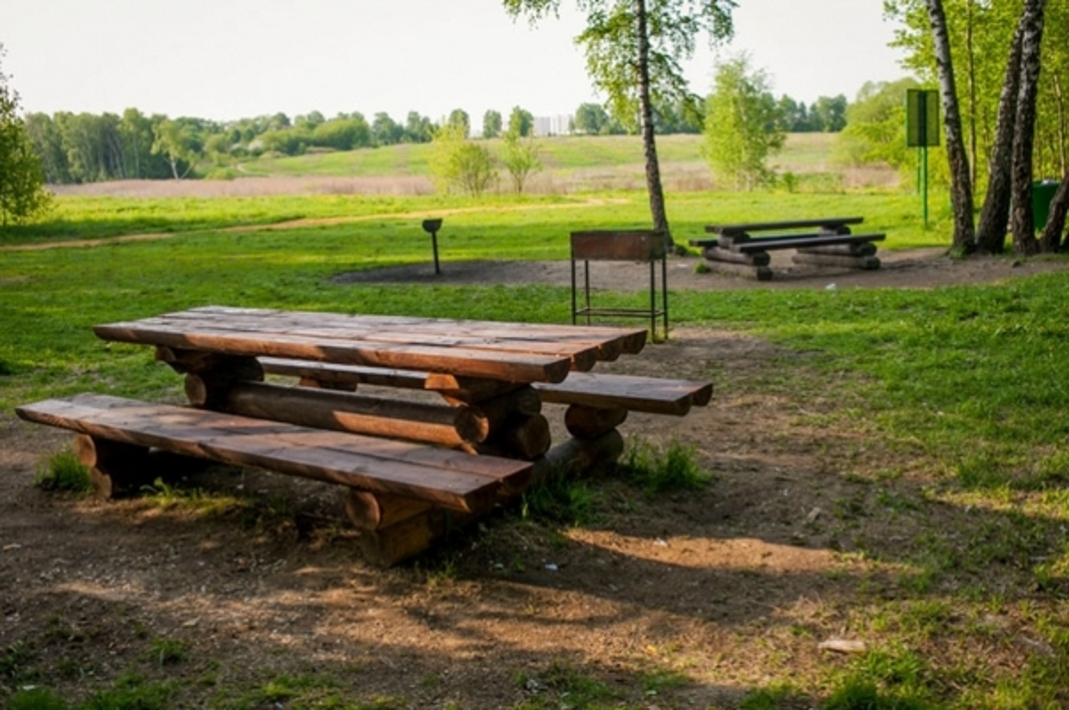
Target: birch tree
{"points": [[634, 50]]}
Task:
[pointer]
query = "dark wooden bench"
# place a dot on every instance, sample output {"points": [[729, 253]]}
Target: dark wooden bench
{"points": [[599, 401], [832, 244], [438, 476]]}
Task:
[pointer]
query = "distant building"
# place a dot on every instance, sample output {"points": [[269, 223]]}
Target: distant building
{"points": [[560, 125]]}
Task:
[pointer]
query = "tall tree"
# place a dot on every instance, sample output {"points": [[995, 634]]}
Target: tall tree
{"points": [[492, 123], [22, 193], [960, 183], [1021, 218], [521, 122], [995, 214], [743, 124], [633, 53]]}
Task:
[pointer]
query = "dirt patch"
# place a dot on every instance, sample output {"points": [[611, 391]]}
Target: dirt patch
{"points": [[909, 268]]}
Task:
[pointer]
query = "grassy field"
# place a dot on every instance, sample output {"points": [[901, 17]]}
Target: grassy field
{"points": [[967, 386]]}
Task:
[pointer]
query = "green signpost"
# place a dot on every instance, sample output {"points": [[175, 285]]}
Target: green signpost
{"points": [[922, 130]]}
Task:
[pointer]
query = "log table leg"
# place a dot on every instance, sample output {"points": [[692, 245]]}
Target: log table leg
{"points": [[394, 528], [115, 468]]}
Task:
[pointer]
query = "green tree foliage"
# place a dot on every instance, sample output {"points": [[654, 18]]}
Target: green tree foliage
{"points": [[418, 129], [177, 141], [521, 159], [521, 122], [634, 50], [22, 193], [1028, 84], [492, 123], [385, 130], [980, 35], [875, 129], [592, 119], [458, 117], [743, 125], [459, 164]]}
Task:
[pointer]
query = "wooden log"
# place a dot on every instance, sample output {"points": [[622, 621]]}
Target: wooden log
{"points": [[373, 511], [395, 543], [494, 414], [862, 249], [223, 367], [804, 241], [591, 422], [467, 389], [115, 468], [757, 258], [323, 409], [521, 437], [326, 385], [868, 263], [761, 273], [578, 456]]}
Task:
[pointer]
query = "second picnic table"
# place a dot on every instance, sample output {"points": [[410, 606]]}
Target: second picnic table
{"points": [[404, 462], [745, 246]]}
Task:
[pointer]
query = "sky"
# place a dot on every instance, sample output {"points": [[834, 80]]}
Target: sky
{"points": [[230, 59]]}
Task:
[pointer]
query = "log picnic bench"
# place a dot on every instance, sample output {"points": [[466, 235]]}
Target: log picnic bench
{"points": [[409, 468], [736, 249]]}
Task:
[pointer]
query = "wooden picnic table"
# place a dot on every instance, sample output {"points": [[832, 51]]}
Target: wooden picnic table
{"points": [[745, 246], [404, 461]]}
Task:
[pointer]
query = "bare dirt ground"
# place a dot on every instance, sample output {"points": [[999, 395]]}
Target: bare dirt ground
{"points": [[687, 600]]}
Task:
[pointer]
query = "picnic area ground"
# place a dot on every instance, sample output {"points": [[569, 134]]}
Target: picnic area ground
{"points": [[690, 599]]}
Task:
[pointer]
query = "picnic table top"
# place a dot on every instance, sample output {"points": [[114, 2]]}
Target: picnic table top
{"points": [[745, 227], [513, 352]]}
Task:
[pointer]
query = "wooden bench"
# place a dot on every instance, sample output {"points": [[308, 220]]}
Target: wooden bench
{"points": [[598, 401], [391, 482], [833, 244]]}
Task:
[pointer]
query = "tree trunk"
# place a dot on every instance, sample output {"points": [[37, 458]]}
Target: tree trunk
{"points": [[1052, 234], [1021, 218], [960, 185], [649, 143], [995, 215]]}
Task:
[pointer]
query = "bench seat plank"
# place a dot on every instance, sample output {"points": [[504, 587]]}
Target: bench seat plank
{"points": [[447, 478], [639, 394]]}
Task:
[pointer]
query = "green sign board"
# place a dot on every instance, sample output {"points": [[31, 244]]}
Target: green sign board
{"points": [[922, 117]]}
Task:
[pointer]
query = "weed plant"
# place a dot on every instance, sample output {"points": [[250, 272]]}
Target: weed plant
{"points": [[63, 472], [662, 470]]}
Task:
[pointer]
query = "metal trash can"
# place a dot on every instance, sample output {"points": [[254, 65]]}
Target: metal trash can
{"points": [[1042, 193]]}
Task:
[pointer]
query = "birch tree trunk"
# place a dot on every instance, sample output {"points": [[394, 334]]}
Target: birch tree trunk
{"points": [[995, 215], [960, 185], [649, 143], [1021, 218]]}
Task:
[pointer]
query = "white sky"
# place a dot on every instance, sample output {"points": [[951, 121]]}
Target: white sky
{"points": [[229, 59]]}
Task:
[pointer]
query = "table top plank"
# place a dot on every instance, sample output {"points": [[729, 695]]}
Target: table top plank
{"points": [[746, 227], [498, 365], [629, 340], [511, 352], [583, 354]]}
